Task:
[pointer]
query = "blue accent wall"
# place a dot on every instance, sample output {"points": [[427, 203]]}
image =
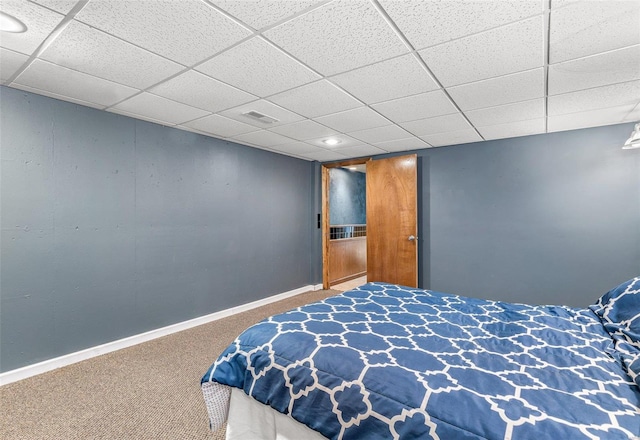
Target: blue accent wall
{"points": [[347, 197], [543, 219], [112, 226]]}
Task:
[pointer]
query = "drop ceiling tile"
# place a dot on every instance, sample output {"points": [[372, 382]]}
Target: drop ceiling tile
{"points": [[412, 108], [282, 115], [317, 99], [61, 6], [304, 130], [634, 115], [381, 134], [439, 124], [360, 150], [220, 126], [65, 82], [412, 143], [260, 147], [197, 30], [345, 141], [141, 117], [40, 23], [196, 131], [519, 111], [325, 156], [390, 79], [297, 156], [600, 97], [452, 138], [356, 119], [338, 36], [582, 28], [264, 138], [508, 49], [427, 23], [517, 87], [594, 71], [10, 62], [513, 129], [592, 118], [198, 90], [160, 109], [91, 51], [56, 96], [262, 13], [259, 68], [297, 148]]}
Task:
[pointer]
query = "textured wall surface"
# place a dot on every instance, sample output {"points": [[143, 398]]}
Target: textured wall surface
{"points": [[347, 197], [550, 218], [113, 226]]}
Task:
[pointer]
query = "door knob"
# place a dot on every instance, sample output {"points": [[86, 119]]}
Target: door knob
{"points": [[412, 238]]}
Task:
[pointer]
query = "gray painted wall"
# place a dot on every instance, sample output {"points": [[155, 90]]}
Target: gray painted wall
{"points": [[347, 197], [112, 226], [545, 219]]}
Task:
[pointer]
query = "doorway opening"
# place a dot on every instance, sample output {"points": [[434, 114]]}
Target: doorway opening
{"points": [[391, 225], [344, 224]]}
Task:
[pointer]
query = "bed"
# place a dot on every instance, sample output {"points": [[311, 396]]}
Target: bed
{"points": [[384, 361]]}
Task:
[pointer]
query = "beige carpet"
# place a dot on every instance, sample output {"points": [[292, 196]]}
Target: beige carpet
{"points": [[149, 391]]}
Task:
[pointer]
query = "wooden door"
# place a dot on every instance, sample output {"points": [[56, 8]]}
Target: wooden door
{"points": [[392, 220]]}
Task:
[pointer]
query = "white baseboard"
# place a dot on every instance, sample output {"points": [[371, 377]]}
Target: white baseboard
{"points": [[71, 358]]}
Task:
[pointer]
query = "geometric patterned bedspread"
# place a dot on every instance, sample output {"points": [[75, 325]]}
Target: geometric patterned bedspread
{"points": [[389, 362]]}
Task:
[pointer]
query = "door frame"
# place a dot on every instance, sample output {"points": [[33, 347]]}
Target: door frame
{"points": [[325, 212]]}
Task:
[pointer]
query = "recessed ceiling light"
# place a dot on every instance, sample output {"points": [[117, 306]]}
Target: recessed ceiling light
{"points": [[331, 142], [9, 23], [353, 168]]}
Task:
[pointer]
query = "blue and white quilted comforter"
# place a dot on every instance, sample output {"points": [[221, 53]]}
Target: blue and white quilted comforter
{"points": [[389, 362]]}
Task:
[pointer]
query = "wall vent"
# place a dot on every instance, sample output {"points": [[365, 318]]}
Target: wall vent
{"points": [[257, 116]]}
